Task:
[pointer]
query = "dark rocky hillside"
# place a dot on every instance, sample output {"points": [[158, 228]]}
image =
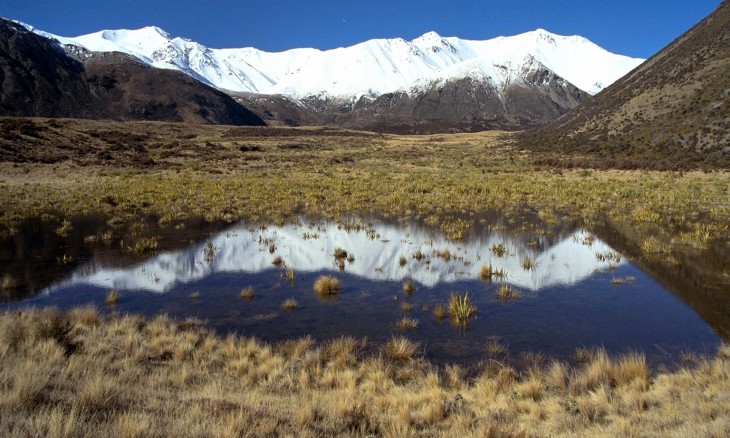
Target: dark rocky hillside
{"points": [[38, 78], [454, 106], [673, 111]]}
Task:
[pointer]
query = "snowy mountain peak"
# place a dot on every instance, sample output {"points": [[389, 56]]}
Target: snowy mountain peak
{"points": [[370, 68], [427, 38]]}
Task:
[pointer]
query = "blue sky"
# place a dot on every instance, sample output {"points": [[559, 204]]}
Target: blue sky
{"points": [[636, 28]]}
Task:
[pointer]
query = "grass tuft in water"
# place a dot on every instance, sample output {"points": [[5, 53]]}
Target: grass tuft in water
{"points": [[340, 254], [461, 309], [499, 249], [8, 282], [144, 246], [290, 304], [409, 287], [289, 274], [486, 272], [506, 293], [63, 229], [407, 323], [112, 297], [439, 311], [246, 293], [327, 285], [528, 264]]}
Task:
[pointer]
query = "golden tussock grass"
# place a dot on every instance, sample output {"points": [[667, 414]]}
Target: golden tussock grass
{"points": [[246, 293], [71, 374], [407, 323], [290, 304], [409, 287], [327, 285], [112, 297], [460, 309]]}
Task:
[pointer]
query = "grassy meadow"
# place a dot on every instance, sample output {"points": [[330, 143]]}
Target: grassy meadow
{"points": [[85, 374]]}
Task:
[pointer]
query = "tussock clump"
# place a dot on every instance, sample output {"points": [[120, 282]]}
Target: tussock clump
{"points": [[246, 293], [439, 311], [112, 297], [485, 272], [409, 287], [290, 304], [400, 349], [460, 309], [407, 323], [327, 285], [340, 254]]}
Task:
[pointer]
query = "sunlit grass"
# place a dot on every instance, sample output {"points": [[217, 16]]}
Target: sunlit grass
{"points": [[327, 285], [290, 304], [528, 264], [112, 297], [179, 378], [246, 293], [409, 287], [400, 349], [485, 272], [407, 323], [460, 308], [506, 292], [144, 246], [65, 228], [439, 311], [499, 249]]}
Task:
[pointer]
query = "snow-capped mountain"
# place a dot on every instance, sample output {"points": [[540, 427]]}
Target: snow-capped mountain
{"points": [[427, 85], [371, 68]]}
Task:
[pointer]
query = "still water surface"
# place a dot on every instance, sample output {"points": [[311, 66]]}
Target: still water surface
{"points": [[573, 289]]}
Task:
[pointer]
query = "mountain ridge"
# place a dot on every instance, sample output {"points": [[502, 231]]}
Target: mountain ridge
{"points": [[39, 78], [349, 71], [430, 84]]}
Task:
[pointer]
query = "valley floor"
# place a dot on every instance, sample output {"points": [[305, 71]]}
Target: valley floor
{"points": [[82, 374]]}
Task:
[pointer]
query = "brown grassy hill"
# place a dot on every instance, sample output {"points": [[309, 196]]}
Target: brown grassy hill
{"points": [[673, 111], [132, 90], [38, 78]]}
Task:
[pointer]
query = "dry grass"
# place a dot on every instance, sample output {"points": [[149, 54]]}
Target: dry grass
{"points": [[460, 309], [8, 282], [505, 292], [290, 304], [327, 285], [81, 374], [486, 272], [439, 311], [409, 287], [246, 293], [407, 323], [112, 297]]}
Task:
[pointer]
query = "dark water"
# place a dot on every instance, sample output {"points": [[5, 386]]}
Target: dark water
{"points": [[577, 292]]}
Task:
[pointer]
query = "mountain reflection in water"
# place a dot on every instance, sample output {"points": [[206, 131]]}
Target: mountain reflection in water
{"points": [[377, 256], [571, 289]]}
